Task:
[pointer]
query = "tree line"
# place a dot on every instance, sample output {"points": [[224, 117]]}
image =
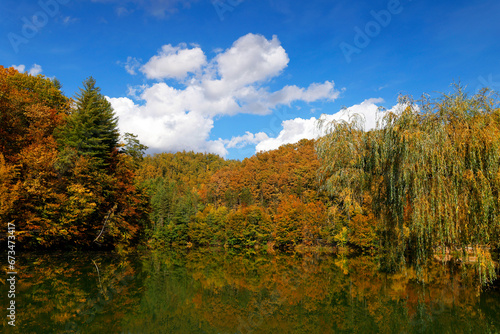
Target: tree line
{"points": [[423, 184]]}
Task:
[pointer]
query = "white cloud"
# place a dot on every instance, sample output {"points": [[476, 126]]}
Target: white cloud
{"points": [[245, 140], [176, 118], [296, 129], [131, 65], [69, 20], [293, 131], [314, 92], [174, 62], [19, 68], [173, 130], [252, 58], [34, 70], [135, 91]]}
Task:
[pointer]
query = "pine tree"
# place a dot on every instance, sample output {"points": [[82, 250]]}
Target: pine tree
{"points": [[92, 129]]}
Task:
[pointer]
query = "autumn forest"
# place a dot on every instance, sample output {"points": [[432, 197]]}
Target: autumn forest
{"points": [[424, 186]]}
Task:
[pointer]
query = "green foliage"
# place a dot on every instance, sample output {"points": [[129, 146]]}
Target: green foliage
{"points": [[175, 183], [91, 129], [247, 226], [133, 148], [207, 226], [432, 171]]}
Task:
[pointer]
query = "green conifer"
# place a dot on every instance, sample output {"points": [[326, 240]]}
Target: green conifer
{"points": [[92, 128]]}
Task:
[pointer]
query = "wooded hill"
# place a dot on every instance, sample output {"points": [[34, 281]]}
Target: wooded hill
{"points": [[425, 182]]}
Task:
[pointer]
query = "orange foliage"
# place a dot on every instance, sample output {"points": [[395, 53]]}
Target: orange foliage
{"points": [[266, 177], [55, 197], [296, 222]]}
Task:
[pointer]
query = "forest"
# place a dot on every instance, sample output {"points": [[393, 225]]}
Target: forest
{"points": [[423, 185]]}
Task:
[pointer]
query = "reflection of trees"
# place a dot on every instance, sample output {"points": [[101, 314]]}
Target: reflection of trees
{"points": [[213, 291], [219, 292], [61, 293]]}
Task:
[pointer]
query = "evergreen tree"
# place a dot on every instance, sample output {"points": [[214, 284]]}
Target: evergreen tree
{"points": [[91, 129], [134, 148]]}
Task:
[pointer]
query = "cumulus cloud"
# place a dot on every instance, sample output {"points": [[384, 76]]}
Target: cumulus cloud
{"points": [[296, 129], [314, 92], [174, 62], [293, 131], [166, 129], [245, 140], [252, 58], [34, 70], [19, 68], [180, 117]]}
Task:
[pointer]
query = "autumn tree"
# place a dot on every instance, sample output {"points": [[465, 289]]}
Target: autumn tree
{"points": [[296, 222], [236, 200], [9, 189], [66, 192], [432, 172], [31, 107], [267, 177]]}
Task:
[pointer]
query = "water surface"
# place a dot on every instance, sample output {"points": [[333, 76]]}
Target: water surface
{"points": [[215, 291]]}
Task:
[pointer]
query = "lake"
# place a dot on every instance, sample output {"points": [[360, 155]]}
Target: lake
{"points": [[218, 291]]}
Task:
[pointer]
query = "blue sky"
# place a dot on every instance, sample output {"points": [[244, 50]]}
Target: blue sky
{"points": [[232, 77]]}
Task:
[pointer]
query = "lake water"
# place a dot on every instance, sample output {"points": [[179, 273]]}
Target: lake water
{"points": [[216, 291]]}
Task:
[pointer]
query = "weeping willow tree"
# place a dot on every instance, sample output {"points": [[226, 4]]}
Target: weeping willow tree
{"points": [[432, 171]]}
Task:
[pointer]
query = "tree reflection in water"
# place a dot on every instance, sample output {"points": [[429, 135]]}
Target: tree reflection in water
{"points": [[215, 291]]}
